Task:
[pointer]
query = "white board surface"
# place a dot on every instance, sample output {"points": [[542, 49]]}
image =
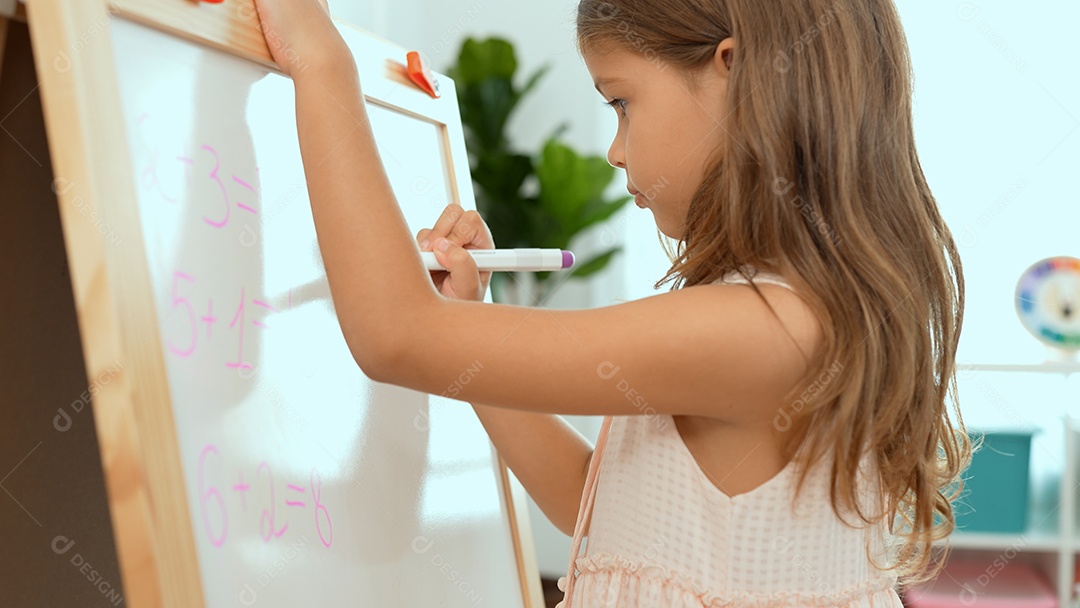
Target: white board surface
{"points": [[307, 484]]}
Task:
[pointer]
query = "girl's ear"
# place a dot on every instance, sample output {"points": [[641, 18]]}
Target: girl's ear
{"points": [[725, 52]]}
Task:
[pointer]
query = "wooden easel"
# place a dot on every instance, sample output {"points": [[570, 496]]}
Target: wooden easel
{"points": [[54, 510], [78, 325]]}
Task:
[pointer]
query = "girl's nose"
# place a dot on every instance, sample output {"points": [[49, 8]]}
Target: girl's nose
{"points": [[616, 154]]}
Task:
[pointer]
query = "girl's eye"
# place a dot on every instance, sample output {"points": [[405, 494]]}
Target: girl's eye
{"points": [[619, 105]]}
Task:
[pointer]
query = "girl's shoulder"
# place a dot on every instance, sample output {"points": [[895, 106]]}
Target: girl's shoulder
{"points": [[789, 307]]}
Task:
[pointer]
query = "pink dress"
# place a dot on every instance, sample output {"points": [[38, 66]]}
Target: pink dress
{"points": [[665, 537]]}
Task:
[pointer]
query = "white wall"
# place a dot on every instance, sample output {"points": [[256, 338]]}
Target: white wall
{"points": [[997, 107], [543, 33], [997, 101]]}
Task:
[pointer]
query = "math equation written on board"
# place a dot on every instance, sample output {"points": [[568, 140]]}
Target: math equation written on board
{"points": [[211, 315], [297, 502], [197, 178], [197, 320]]}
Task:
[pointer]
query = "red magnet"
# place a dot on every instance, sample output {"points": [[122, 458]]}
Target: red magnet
{"points": [[420, 74]]}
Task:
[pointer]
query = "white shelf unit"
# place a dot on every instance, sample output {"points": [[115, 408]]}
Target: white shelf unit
{"points": [[1050, 541]]}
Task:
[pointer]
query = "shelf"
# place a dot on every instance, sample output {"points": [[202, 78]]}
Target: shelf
{"points": [[1042, 535], [1050, 539], [1021, 543], [1045, 368]]}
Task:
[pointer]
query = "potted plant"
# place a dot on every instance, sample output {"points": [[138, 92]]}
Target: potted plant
{"points": [[528, 200]]}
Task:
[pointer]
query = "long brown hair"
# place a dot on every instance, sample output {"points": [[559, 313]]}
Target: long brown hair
{"points": [[818, 178]]}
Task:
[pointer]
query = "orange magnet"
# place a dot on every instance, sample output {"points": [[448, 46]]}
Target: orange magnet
{"points": [[420, 74]]}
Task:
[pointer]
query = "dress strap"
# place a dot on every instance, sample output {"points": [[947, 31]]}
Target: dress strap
{"points": [[760, 277], [588, 497]]}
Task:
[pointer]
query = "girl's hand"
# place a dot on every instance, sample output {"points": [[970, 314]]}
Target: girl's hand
{"points": [[460, 231], [300, 34]]}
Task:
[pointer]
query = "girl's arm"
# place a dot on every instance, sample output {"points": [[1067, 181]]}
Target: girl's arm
{"points": [[549, 458], [712, 351], [546, 454]]}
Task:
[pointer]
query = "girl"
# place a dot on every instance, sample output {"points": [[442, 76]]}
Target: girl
{"points": [[794, 447]]}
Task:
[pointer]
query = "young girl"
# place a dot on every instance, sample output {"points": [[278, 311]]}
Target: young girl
{"points": [[777, 431]]}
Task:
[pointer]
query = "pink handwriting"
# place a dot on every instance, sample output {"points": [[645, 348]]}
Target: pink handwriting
{"points": [[248, 186], [239, 363], [243, 489], [204, 498], [215, 511], [182, 283], [152, 170], [209, 319], [224, 193], [316, 491], [264, 305], [180, 302]]}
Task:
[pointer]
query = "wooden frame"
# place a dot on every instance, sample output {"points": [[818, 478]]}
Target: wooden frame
{"points": [[117, 319]]}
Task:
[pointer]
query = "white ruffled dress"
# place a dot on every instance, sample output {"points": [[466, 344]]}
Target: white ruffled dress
{"points": [[665, 537]]}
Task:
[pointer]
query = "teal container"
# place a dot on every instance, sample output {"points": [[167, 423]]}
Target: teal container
{"points": [[995, 494]]}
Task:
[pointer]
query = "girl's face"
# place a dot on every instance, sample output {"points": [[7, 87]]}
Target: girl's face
{"points": [[670, 125]]}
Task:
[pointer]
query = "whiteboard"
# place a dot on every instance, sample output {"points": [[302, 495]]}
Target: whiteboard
{"points": [[307, 483]]}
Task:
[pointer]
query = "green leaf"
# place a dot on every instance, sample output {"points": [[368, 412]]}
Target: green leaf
{"points": [[510, 224], [564, 185], [486, 106], [602, 211], [559, 131], [534, 80], [533, 199], [481, 60], [596, 264], [501, 174], [572, 186], [544, 230]]}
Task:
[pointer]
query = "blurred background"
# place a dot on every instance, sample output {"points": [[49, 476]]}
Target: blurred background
{"points": [[997, 117]]}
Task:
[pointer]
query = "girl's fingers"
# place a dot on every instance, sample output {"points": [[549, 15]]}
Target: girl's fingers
{"points": [[471, 232], [460, 231], [423, 239], [463, 228], [446, 222], [464, 280], [299, 31]]}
